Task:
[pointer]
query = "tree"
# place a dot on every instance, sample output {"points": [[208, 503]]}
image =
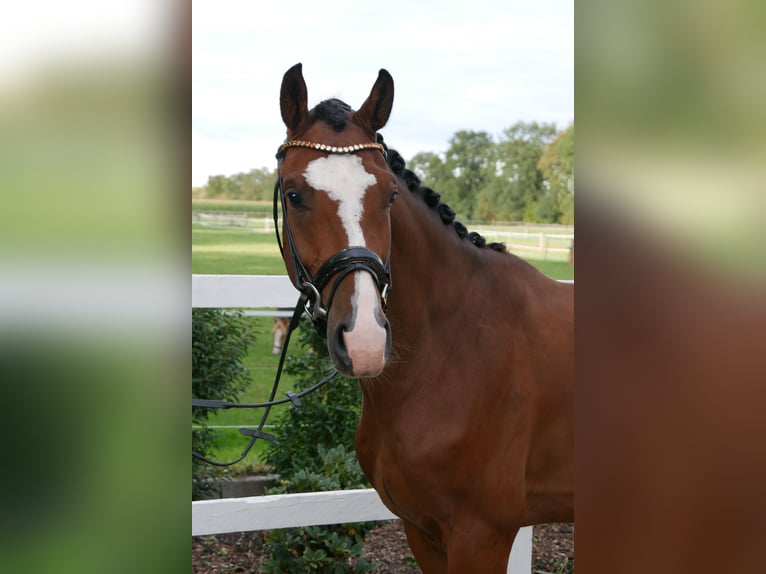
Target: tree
{"points": [[470, 161], [557, 167], [518, 190], [256, 184], [217, 186], [430, 168], [263, 183]]}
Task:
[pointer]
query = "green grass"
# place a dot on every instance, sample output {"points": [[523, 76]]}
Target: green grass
{"points": [[555, 269], [234, 252], [262, 366], [238, 205], [238, 252]]}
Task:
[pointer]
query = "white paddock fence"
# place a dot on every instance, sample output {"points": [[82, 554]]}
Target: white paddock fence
{"points": [[293, 510], [538, 238]]}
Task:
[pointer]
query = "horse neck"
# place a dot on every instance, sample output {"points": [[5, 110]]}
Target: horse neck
{"points": [[430, 266]]}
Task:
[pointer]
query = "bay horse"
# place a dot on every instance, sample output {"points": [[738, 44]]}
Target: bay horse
{"points": [[464, 352]]}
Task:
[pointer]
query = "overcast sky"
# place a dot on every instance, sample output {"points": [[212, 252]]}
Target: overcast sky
{"points": [[477, 65]]}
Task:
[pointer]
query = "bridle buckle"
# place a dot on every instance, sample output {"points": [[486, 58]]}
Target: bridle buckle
{"points": [[384, 295], [313, 305]]}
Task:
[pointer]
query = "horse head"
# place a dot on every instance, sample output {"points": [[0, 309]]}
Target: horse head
{"points": [[336, 191]]}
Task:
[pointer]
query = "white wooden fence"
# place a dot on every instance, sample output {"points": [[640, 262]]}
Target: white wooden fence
{"points": [[536, 238], [293, 510]]}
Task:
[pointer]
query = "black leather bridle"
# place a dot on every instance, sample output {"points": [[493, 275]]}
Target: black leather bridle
{"points": [[310, 302]]}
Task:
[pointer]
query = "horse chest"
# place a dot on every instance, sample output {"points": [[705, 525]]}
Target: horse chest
{"points": [[414, 464], [400, 489]]}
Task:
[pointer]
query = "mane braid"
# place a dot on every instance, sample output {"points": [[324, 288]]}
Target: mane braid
{"points": [[433, 200]]}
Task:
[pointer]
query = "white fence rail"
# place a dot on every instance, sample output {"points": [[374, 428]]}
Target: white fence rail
{"points": [[234, 220], [286, 511], [537, 238], [243, 291], [293, 510]]}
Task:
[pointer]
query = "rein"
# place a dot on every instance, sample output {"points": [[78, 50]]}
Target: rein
{"points": [[340, 265], [292, 397]]}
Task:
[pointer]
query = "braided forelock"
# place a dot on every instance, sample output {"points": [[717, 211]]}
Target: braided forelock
{"points": [[333, 112]]}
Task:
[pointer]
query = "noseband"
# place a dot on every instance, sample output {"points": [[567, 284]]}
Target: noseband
{"points": [[339, 265]]}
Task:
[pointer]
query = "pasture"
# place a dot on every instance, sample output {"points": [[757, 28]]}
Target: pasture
{"points": [[244, 252], [232, 205]]}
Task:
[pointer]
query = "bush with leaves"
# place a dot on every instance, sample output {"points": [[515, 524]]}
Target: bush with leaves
{"points": [[314, 452], [325, 549], [327, 417], [220, 340]]}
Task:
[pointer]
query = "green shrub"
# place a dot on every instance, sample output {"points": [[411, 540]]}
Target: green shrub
{"points": [[338, 470], [327, 417], [314, 452], [333, 549], [220, 340]]}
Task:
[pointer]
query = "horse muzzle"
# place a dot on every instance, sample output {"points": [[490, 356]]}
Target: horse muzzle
{"points": [[359, 335]]}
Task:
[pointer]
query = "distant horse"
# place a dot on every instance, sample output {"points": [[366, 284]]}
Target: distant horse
{"points": [[278, 334], [464, 352]]}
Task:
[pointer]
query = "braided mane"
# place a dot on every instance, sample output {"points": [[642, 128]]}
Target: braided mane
{"points": [[335, 112]]}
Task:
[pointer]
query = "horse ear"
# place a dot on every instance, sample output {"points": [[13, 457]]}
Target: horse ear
{"points": [[377, 107], [293, 98]]}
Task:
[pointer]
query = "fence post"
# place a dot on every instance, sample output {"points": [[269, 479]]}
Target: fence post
{"points": [[520, 559]]}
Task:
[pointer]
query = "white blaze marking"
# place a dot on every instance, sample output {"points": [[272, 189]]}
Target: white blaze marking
{"points": [[345, 180], [366, 341]]}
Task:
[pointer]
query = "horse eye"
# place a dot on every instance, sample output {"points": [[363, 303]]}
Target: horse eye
{"points": [[393, 197], [294, 198]]}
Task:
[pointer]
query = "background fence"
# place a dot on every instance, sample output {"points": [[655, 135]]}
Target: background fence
{"points": [[536, 238], [293, 510]]}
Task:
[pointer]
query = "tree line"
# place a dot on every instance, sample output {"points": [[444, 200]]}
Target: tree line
{"points": [[256, 184], [525, 174]]}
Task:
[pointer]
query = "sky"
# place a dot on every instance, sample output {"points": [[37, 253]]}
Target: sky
{"points": [[481, 65]]}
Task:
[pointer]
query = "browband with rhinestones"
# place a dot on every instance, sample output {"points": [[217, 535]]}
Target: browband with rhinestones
{"points": [[329, 148]]}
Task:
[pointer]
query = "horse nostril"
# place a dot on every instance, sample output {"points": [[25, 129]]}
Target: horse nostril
{"points": [[340, 343]]}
